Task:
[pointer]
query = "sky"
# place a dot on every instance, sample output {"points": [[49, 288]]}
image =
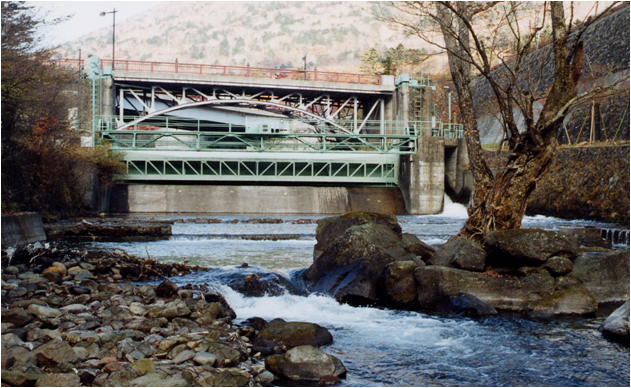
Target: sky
{"points": [[85, 16]]}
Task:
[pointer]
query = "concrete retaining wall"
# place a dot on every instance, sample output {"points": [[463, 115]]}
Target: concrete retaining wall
{"points": [[232, 199], [22, 228]]}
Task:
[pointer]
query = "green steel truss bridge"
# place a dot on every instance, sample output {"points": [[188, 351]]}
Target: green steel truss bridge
{"points": [[181, 122]]}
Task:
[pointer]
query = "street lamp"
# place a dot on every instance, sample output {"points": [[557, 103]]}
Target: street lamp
{"points": [[113, 34]]}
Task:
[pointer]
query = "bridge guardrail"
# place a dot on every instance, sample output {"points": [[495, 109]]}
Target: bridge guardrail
{"points": [[234, 71]]}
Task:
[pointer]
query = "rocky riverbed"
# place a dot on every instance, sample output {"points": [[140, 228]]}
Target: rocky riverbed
{"points": [[73, 318]]}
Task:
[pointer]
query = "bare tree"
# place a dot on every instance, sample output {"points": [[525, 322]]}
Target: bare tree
{"points": [[497, 40]]}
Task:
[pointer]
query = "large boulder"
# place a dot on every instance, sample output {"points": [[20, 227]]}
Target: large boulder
{"points": [[436, 283], [292, 334], [520, 247], [575, 300], [398, 286], [460, 252], [350, 265], [467, 305], [414, 245], [330, 228], [616, 326], [305, 363], [604, 274]]}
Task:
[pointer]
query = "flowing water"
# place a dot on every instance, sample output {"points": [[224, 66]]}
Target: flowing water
{"points": [[381, 347]]}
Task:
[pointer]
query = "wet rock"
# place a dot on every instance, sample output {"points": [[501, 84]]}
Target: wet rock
{"points": [[262, 283], [467, 305], [398, 285], [304, 363], [616, 326], [571, 301], [348, 268], [292, 334], [436, 283], [166, 289], [605, 274], [460, 252], [78, 290], [265, 378], [519, 247]]}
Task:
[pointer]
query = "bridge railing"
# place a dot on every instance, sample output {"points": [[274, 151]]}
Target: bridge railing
{"points": [[233, 71]]}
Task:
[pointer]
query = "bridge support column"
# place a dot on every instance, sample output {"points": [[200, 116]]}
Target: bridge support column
{"points": [[422, 177]]}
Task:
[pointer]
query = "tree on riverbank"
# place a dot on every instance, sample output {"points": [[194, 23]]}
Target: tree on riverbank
{"points": [[44, 168], [493, 39]]}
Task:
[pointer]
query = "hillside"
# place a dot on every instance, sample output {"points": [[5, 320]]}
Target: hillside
{"points": [[333, 35]]}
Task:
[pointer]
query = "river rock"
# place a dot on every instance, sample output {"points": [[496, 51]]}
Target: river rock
{"points": [[350, 266], [292, 334], [166, 289], [435, 283], [520, 247], [558, 266], [571, 301], [605, 274], [616, 326], [55, 352], [230, 378], [330, 228], [205, 358], [17, 316], [304, 363], [467, 305], [417, 247], [460, 252], [398, 285]]}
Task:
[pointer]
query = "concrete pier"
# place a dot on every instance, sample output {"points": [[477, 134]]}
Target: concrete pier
{"points": [[22, 228]]}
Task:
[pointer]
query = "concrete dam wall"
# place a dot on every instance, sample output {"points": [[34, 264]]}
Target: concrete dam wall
{"points": [[236, 199]]}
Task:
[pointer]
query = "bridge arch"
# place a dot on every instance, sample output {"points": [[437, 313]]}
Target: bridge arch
{"points": [[230, 102]]}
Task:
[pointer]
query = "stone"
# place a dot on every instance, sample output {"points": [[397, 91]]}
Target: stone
{"points": [[166, 289], [265, 378], [572, 301], [18, 379], [330, 228], [616, 326], [116, 335], [205, 358], [17, 316], [520, 247], [78, 290], [349, 267], [398, 285], [292, 334], [151, 379], [460, 252], [183, 356], [82, 336], [75, 308], [436, 283], [558, 266], [55, 352], [224, 352], [417, 247], [467, 305], [605, 274], [146, 292], [304, 363], [230, 378], [173, 309], [145, 324], [564, 282], [137, 308]]}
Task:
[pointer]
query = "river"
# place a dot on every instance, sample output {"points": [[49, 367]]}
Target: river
{"points": [[382, 347]]}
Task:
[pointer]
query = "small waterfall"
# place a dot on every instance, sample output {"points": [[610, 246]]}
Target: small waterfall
{"points": [[616, 236]]}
